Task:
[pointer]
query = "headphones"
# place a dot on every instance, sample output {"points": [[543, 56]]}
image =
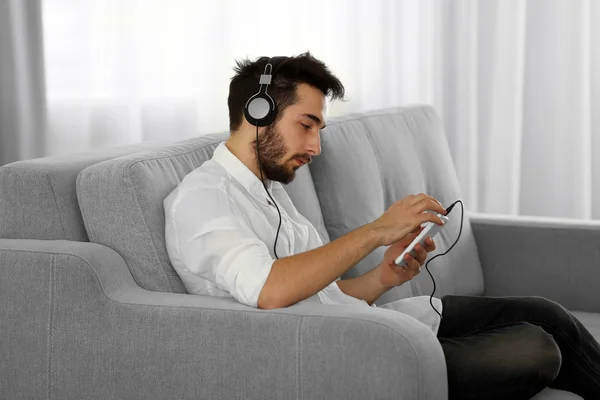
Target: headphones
{"points": [[260, 110]]}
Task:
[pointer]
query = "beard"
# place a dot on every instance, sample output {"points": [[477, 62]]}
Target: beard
{"points": [[271, 149]]}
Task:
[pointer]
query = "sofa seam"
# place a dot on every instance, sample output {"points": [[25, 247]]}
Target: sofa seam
{"points": [[81, 199], [62, 225], [51, 285], [298, 359]]}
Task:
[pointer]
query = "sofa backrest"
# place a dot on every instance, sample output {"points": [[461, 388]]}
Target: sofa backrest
{"points": [[370, 160], [122, 205], [38, 198]]}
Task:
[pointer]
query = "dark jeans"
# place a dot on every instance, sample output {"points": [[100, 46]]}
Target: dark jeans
{"points": [[513, 347]]}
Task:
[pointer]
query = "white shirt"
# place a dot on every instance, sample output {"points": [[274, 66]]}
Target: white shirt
{"points": [[220, 228]]}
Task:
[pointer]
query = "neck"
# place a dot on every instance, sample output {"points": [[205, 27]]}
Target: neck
{"points": [[241, 148]]}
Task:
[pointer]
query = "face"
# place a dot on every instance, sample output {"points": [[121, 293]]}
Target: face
{"points": [[295, 136]]}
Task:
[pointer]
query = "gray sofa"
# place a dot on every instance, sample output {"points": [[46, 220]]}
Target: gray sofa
{"points": [[91, 308]]}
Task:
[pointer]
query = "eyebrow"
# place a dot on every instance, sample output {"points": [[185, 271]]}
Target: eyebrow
{"points": [[314, 118]]}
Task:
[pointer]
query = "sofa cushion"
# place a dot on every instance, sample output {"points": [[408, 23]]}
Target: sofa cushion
{"points": [[591, 321], [122, 205], [38, 199], [555, 394], [370, 160]]}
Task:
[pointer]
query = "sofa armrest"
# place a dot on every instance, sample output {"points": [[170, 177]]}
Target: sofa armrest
{"points": [[540, 256], [76, 325]]}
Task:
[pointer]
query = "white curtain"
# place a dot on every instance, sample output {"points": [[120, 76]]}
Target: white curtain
{"points": [[22, 89], [516, 82]]}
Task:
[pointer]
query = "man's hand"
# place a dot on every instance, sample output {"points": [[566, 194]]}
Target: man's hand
{"points": [[405, 216], [390, 274]]}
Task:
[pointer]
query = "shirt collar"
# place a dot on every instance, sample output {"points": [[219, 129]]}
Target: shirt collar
{"points": [[240, 172]]}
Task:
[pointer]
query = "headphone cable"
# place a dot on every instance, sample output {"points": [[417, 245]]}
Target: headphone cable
{"points": [[426, 264], [444, 253], [265, 186]]}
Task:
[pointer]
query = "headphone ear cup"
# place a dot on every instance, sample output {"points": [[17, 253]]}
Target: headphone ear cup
{"points": [[268, 120], [260, 110]]}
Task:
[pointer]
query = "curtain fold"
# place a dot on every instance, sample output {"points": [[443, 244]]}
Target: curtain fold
{"points": [[22, 81]]}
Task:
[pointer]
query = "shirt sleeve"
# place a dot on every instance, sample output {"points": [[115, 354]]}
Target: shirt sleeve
{"points": [[216, 243]]}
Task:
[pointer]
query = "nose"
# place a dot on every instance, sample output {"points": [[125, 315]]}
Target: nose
{"points": [[314, 144]]}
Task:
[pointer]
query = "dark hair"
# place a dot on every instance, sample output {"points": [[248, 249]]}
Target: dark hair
{"points": [[303, 68]]}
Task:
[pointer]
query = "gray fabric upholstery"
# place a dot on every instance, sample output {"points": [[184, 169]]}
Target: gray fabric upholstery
{"points": [[121, 202], [91, 332], [554, 394], [122, 205], [38, 199], [535, 256], [591, 321], [370, 160], [96, 320]]}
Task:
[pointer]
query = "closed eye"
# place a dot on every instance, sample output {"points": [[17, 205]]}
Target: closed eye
{"points": [[305, 126]]}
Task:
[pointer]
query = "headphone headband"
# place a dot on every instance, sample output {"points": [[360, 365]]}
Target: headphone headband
{"points": [[274, 63], [260, 109]]}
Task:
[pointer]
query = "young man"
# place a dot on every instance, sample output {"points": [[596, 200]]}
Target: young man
{"points": [[222, 225]]}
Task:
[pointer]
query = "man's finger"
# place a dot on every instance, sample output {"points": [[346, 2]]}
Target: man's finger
{"points": [[429, 244], [416, 266], [413, 263], [421, 254]]}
